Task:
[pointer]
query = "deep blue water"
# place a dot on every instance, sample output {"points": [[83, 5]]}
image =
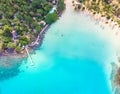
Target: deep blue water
{"points": [[71, 60]]}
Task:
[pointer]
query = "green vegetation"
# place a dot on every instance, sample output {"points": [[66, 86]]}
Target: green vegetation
{"points": [[22, 20], [11, 45], [61, 5], [18, 49], [50, 18]]}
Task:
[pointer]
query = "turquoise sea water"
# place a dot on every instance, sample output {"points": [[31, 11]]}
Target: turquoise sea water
{"points": [[71, 60]]}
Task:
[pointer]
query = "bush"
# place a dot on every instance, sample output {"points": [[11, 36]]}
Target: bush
{"points": [[11, 45], [50, 18], [18, 49]]}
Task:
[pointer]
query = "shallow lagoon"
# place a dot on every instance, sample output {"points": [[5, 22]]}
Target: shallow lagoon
{"points": [[71, 60]]}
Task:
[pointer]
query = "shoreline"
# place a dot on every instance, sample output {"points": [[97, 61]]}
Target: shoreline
{"points": [[33, 45], [113, 36], [102, 20]]}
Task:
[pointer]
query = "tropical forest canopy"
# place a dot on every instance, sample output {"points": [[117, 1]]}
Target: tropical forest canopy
{"points": [[22, 20]]}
